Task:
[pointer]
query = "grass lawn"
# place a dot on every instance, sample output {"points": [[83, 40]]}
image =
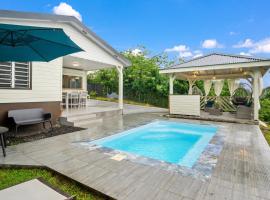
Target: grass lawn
{"points": [[12, 176], [266, 133], [126, 101]]}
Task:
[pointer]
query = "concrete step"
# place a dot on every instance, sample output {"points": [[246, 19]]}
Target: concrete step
{"points": [[79, 118], [88, 123]]}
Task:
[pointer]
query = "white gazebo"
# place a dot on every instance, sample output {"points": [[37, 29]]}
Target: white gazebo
{"points": [[214, 69]]}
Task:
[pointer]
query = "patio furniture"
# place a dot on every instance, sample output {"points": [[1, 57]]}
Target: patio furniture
{"points": [[83, 99], [28, 117], [36, 189], [215, 111], [209, 104], [64, 100], [3, 130], [244, 112], [74, 99]]}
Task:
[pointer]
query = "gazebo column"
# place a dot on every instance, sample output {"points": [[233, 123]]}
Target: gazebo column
{"points": [[191, 83], [120, 87], [172, 78], [256, 95]]}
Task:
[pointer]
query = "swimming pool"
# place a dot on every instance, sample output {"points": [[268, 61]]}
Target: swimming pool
{"points": [[173, 142]]}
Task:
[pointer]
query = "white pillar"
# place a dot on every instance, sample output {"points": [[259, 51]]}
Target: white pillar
{"points": [[172, 78], [256, 95], [191, 83], [120, 87]]}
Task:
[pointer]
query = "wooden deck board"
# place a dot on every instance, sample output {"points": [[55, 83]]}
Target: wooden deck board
{"points": [[242, 170]]}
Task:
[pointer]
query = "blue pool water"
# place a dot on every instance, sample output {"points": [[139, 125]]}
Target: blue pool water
{"points": [[179, 143]]}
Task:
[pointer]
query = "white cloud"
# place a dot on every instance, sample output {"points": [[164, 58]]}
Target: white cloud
{"points": [[182, 50], [185, 54], [247, 43], [66, 9], [179, 48], [197, 53], [136, 52], [244, 54], [261, 46], [211, 44], [232, 33]]}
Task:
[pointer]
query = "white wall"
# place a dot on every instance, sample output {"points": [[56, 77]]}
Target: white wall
{"points": [[185, 104], [46, 84], [74, 72]]}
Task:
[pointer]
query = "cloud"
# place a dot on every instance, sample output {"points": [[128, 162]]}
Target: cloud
{"points": [[261, 46], [197, 53], [136, 52], [66, 9], [247, 43], [232, 33], [211, 44], [179, 48], [245, 54], [182, 50]]}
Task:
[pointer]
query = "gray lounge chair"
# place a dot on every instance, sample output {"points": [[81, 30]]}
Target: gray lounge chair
{"points": [[29, 116]]}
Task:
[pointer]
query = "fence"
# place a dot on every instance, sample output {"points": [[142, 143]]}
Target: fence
{"points": [[223, 101]]}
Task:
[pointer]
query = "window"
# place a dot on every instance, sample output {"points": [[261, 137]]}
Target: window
{"points": [[72, 82], [15, 75]]}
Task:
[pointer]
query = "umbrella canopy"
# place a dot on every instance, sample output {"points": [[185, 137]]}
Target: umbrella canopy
{"points": [[28, 43]]}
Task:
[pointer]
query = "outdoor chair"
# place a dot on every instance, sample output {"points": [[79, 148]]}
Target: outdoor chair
{"points": [[74, 99], [209, 104], [64, 99], [244, 112], [31, 116], [215, 111], [83, 99]]}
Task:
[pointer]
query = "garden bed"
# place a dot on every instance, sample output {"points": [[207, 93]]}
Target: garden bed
{"points": [[26, 135]]}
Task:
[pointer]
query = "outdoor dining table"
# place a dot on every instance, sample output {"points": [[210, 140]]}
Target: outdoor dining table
{"points": [[3, 130]]}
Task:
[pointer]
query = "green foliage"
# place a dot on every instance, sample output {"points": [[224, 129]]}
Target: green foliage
{"points": [[10, 177], [142, 81], [265, 110]]}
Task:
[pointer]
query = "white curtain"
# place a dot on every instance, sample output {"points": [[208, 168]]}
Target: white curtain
{"points": [[207, 86], [233, 84], [218, 85]]}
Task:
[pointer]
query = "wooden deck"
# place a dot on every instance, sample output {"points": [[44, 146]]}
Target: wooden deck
{"points": [[225, 117], [242, 171]]}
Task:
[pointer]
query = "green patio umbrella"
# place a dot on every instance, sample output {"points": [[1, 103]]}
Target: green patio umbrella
{"points": [[28, 43]]}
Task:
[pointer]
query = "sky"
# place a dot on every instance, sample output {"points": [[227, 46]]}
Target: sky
{"points": [[182, 28]]}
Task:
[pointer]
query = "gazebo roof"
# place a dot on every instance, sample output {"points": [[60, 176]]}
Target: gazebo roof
{"points": [[217, 59], [218, 65]]}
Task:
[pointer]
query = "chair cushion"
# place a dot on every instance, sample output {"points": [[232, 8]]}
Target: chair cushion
{"points": [[30, 121]]}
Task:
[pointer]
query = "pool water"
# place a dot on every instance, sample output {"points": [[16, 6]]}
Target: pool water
{"points": [[173, 142]]}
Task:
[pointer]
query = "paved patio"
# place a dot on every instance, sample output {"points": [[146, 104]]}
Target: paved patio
{"points": [[242, 170]]}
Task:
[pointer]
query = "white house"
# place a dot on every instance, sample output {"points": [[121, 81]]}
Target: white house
{"points": [[40, 84]]}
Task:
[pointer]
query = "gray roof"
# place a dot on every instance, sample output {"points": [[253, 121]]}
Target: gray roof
{"points": [[216, 59], [71, 20]]}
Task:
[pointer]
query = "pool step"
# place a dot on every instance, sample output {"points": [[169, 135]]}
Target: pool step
{"points": [[89, 123], [86, 119], [79, 118]]}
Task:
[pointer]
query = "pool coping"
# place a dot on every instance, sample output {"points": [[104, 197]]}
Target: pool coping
{"points": [[202, 168]]}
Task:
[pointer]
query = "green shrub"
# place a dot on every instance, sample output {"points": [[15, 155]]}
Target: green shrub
{"points": [[265, 110]]}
